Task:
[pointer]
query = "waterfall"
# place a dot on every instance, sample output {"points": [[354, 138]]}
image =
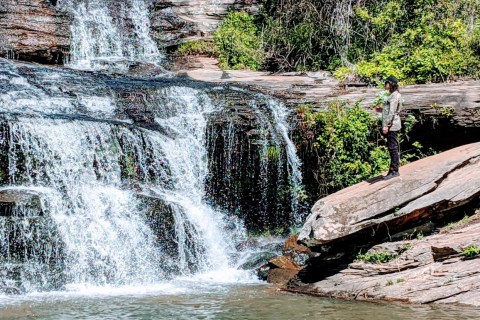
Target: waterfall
{"points": [[110, 35], [254, 169], [92, 185], [280, 114], [107, 181]]}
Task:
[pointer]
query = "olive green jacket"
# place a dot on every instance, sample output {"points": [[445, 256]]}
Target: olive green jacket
{"points": [[391, 110]]}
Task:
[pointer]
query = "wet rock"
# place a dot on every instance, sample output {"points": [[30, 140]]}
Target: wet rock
{"points": [[18, 194], [283, 262], [297, 252], [282, 270], [281, 276], [257, 260], [33, 30]]}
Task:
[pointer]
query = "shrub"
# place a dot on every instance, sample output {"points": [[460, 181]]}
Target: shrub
{"points": [[345, 142], [417, 41], [379, 257], [471, 252], [435, 42], [198, 47], [239, 42]]}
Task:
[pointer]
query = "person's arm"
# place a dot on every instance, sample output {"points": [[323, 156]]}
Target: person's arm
{"points": [[392, 109]]}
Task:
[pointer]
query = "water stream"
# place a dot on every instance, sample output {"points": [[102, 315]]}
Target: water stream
{"points": [[110, 35], [104, 207]]}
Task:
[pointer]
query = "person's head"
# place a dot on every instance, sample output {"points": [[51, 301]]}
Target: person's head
{"points": [[391, 84]]}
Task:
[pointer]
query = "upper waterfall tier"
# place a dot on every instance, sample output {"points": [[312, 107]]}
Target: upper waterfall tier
{"points": [[110, 34]]}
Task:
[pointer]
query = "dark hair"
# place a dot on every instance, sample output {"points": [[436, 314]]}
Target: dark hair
{"points": [[393, 83]]}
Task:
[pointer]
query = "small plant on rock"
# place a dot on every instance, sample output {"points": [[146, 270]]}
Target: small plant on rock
{"points": [[378, 257], [471, 252]]}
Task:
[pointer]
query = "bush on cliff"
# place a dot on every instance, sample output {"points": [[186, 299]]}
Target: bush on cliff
{"points": [[346, 144], [239, 42], [421, 42]]}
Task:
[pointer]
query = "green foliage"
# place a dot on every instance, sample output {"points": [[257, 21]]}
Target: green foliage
{"points": [[427, 41], [471, 252], [198, 47], [296, 35], [379, 257], [345, 141], [389, 283], [417, 41], [381, 98], [460, 223], [420, 235], [239, 43], [273, 153]]}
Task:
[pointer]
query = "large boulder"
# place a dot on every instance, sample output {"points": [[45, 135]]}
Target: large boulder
{"points": [[426, 188]]}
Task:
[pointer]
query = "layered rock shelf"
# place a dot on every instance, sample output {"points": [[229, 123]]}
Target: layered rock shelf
{"points": [[33, 30], [459, 101], [397, 239], [429, 270], [425, 188]]}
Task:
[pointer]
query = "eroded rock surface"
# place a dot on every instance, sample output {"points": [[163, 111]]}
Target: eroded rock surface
{"points": [[458, 102], [177, 21], [425, 188], [429, 270], [33, 30]]}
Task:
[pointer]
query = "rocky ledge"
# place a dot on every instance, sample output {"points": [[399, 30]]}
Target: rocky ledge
{"points": [[395, 239], [33, 30], [459, 102], [442, 268]]}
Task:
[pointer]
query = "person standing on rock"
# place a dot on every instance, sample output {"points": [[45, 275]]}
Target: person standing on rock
{"points": [[391, 124]]}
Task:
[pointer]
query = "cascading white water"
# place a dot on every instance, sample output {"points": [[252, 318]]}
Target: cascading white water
{"points": [[110, 34], [280, 114], [187, 156], [106, 239], [101, 224]]}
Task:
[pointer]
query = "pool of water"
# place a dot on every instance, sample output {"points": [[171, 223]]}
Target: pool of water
{"points": [[186, 299]]}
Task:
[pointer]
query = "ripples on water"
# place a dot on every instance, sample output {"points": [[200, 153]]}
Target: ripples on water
{"points": [[184, 299]]}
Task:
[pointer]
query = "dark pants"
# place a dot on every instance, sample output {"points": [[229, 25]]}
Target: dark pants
{"points": [[393, 149]]}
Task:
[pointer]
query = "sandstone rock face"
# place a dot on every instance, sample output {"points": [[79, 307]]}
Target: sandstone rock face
{"points": [[431, 270], [33, 30], [176, 21], [425, 188]]}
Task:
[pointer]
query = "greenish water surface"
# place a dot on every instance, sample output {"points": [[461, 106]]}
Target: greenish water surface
{"points": [[186, 300]]}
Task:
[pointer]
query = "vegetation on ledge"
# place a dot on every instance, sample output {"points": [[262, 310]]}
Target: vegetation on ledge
{"points": [[417, 41], [341, 145]]}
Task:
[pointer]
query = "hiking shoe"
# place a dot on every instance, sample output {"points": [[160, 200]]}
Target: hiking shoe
{"points": [[391, 175]]}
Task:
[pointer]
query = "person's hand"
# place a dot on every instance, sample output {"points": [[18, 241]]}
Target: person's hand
{"points": [[385, 130]]}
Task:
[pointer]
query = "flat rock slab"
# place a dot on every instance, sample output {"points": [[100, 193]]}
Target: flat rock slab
{"points": [[417, 275], [425, 188], [318, 88]]}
